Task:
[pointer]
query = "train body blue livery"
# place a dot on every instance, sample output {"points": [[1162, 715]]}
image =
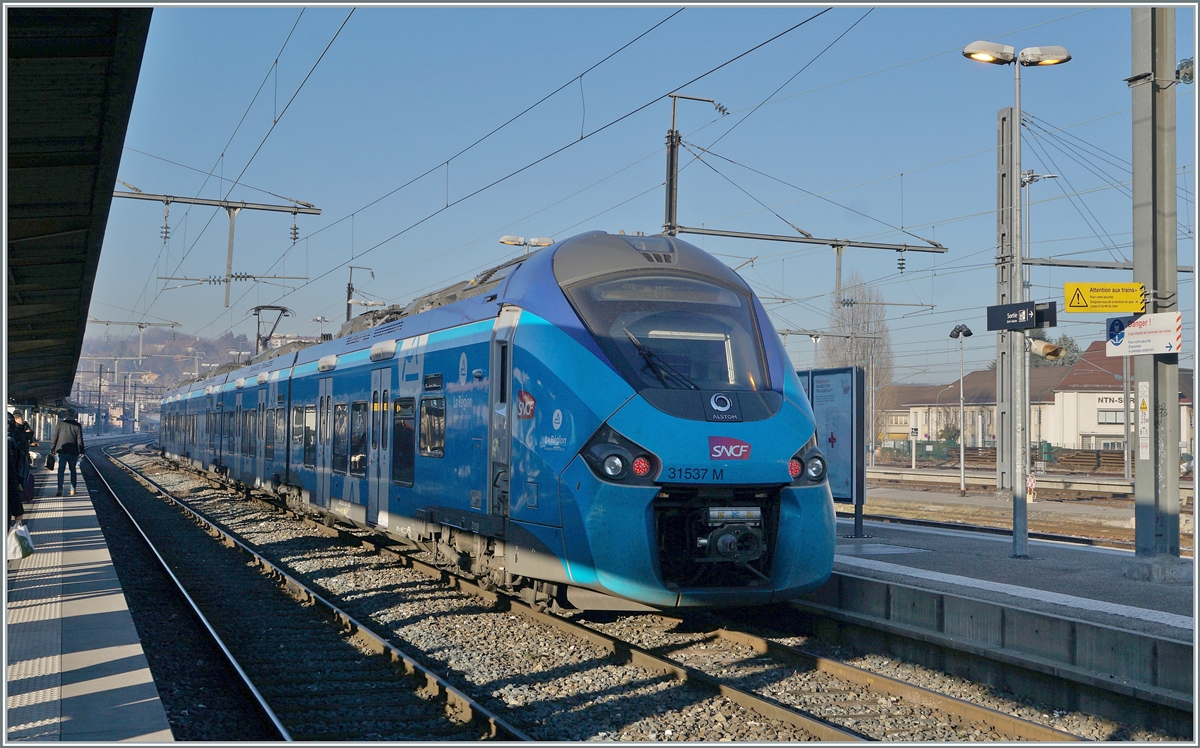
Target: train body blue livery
{"points": [[608, 422]]}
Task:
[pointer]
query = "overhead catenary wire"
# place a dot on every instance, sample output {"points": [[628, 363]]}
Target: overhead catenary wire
{"points": [[561, 149]]}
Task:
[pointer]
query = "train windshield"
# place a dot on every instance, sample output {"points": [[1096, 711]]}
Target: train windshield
{"points": [[674, 332]]}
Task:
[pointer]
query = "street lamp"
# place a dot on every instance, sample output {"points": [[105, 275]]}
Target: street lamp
{"points": [[322, 322], [1002, 54], [520, 241], [238, 355], [816, 339], [960, 332]]}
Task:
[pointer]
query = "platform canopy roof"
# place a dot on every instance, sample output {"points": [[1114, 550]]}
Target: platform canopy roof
{"points": [[72, 73]]}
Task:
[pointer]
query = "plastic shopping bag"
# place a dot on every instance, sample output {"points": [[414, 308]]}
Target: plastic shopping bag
{"points": [[20, 544]]}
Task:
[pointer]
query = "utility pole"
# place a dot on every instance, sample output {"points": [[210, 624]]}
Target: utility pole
{"points": [[1156, 478], [141, 326], [232, 208], [671, 225]]}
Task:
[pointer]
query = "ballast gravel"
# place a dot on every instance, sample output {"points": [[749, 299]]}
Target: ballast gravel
{"points": [[551, 685]]}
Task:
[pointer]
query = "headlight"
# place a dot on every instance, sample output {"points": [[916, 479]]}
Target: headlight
{"points": [[814, 469], [614, 466], [612, 457], [808, 465]]}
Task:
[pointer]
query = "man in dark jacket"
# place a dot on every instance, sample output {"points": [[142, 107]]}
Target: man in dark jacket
{"points": [[68, 445]]}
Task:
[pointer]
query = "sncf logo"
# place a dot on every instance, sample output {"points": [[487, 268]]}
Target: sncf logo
{"points": [[525, 405], [727, 448]]}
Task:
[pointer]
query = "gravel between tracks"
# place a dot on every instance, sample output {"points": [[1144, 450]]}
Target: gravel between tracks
{"points": [[519, 668]]}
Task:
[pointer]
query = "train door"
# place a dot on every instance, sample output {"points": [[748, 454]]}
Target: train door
{"points": [[260, 441], [501, 396], [379, 464], [324, 438]]}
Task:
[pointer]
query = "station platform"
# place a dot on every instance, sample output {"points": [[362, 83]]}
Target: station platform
{"points": [[75, 668], [1064, 579]]}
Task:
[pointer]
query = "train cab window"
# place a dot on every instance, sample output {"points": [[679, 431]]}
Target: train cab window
{"points": [[310, 435], [671, 332], [358, 438], [341, 437], [403, 443], [297, 429], [269, 429], [433, 426]]}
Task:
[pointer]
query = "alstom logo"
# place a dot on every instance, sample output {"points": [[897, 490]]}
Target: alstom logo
{"points": [[727, 448]]}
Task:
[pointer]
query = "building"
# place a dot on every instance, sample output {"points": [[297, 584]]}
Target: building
{"points": [[1077, 407]]}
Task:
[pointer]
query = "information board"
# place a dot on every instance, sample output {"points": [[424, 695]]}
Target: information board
{"points": [[838, 398]]}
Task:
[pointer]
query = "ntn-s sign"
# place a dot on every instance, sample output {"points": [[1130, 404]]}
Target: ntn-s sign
{"points": [[727, 448]]}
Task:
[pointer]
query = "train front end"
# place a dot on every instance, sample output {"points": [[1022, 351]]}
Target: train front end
{"points": [[703, 485]]}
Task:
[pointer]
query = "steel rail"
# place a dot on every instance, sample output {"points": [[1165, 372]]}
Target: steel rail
{"points": [[465, 708], [624, 651], [254, 692], [1006, 723]]}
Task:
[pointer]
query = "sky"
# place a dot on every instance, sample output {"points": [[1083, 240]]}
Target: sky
{"points": [[425, 134]]}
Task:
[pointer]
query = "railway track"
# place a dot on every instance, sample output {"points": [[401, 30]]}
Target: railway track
{"points": [[705, 684], [318, 673]]}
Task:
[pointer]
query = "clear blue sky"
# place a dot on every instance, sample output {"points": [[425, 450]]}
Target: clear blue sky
{"points": [[890, 126]]}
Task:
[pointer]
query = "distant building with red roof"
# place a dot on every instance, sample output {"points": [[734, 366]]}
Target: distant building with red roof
{"points": [[1077, 407]]}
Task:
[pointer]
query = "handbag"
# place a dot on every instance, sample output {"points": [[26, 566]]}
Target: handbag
{"points": [[50, 461], [20, 544]]}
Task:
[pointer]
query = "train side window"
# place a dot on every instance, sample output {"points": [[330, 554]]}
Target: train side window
{"points": [[269, 441], [375, 419], [310, 435], [230, 429], [433, 426], [403, 444], [382, 424], [341, 437], [297, 429], [358, 438], [281, 426]]}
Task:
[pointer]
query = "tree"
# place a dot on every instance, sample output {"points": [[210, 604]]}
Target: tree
{"points": [[1071, 350], [864, 316]]}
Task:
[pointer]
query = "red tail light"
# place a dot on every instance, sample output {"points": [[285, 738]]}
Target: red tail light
{"points": [[641, 467], [794, 468]]}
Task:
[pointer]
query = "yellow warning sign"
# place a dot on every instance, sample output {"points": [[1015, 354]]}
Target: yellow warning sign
{"points": [[1144, 407], [1104, 297]]}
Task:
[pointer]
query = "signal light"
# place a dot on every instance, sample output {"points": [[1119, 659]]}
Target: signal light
{"points": [[641, 467], [793, 468], [814, 469]]}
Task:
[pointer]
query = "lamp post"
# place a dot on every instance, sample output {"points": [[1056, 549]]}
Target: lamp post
{"points": [[816, 339], [321, 321], [1002, 54], [960, 332], [238, 355]]}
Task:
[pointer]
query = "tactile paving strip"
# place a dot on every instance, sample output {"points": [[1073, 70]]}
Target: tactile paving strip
{"points": [[35, 629]]}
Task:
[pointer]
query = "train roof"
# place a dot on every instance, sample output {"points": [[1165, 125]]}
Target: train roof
{"points": [[573, 260]]}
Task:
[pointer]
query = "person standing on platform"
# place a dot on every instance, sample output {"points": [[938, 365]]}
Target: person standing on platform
{"points": [[16, 509], [68, 445]]}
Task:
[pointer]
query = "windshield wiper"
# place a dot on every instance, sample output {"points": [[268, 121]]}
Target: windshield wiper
{"points": [[659, 368]]}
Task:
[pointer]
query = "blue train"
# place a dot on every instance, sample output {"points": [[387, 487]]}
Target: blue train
{"points": [[609, 422]]}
